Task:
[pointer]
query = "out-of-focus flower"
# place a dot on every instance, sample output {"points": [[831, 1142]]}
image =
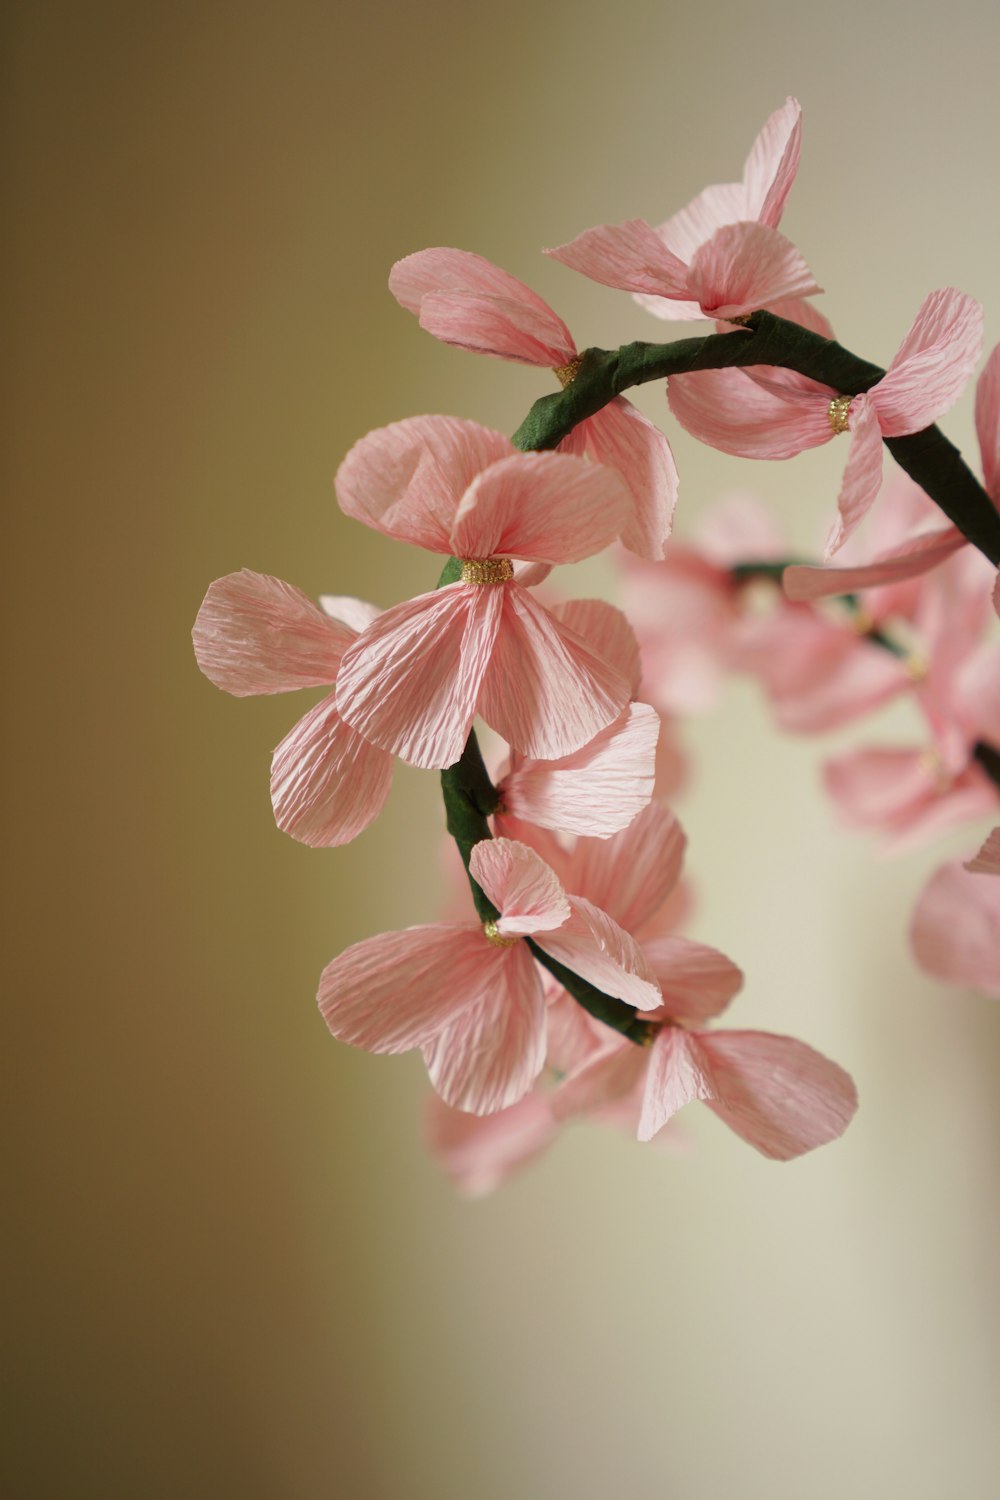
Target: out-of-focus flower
{"points": [[955, 930]]}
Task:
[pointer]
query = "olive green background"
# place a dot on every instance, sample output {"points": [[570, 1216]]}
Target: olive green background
{"points": [[233, 1270]]}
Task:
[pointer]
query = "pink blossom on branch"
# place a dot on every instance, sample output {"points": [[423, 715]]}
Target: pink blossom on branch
{"points": [[955, 932], [464, 300]]}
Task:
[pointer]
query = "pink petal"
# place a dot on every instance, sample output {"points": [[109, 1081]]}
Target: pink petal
{"points": [[521, 886], [918, 555], [480, 1152], [817, 672], [630, 257], [743, 267], [781, 1096], [988, 424], [604, 1079], [488, 1057], [633, 873], [594, 946], [692, 226], [407, 480], [410, 682], [879, 785], [932, 364], [544, 507], [396, 991], [679, 1072], [595, 791], [545, 690], [739, 528], [806, 314], [772, 164], [623, 439], [327, 783], [730, 410], [357, 614], [955, 930], [606, 628], [862, 474], [698, 982], [257, 634], [987, 861], [491, 312]]}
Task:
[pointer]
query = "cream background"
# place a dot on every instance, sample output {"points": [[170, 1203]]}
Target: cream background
{"points": [[234, 1271]]}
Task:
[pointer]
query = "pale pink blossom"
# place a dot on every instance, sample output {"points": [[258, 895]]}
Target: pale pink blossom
{"points": [[469, 994], [987, 861], [955, 930], [481, 1152], [721, 256], [414, 680], [464, 300], [256, 634]]}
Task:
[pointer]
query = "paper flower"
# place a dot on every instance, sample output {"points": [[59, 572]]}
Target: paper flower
{"points": [[466, 301], [414, 680], [955, 932]]}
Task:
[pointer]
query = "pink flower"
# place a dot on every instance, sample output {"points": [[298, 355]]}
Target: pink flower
{"points": [[464, 300], [987, 861], [721, 256], [767, 413], [255, 634], [469, 994], [480, 1152], [955, 931], [414, 680]]}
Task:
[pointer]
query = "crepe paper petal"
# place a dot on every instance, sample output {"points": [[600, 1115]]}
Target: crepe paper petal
{"points": [[327, 783], [806, 314], [731, 411], [479, 1153], [406, 480], [545, 690], [955, 931], [410, 682], [490, 311], [594, 946], [257, 634], [679, 1072], [597, 790], [911, 559], [743, 267], [987, 861], [357, 614], [692, 226], [521, 886], [738, 528], [529, 575], [817, 672], [933, 363], [607, 629], [698, 982], [630, 257], [773, 161], [781, 1096], [988, 424], [489, 1056], [879, 785], [631, 875], [969, 796], [543, 507], [862, 473], [396, 991], [610, 1075], [626, 441]]}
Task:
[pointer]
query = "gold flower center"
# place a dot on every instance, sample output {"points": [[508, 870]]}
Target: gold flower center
{"points": [[487, 569], [837, 413], [566, 374], [499, 939]]}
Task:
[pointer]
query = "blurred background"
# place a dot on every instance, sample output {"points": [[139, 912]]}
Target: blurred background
{"points": [[234, 1269]]}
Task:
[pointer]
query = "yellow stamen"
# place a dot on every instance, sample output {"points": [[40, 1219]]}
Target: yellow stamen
{"points": [[566, 374], [499, 939], [932, 763], [487, 569], [916, 666], [837, 413]]}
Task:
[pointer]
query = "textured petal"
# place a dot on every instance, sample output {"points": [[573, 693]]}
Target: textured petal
{"points": [[932, 364], [521, 886], [594, 946], [743, 267], [955, 930], [632, 874], [410, 681], [698, 982], [630, 257], [912, 558], [357, 614], [732, 411], [692, 226], [781, 1096], [545, 689], [407, 479], [605, 1078], [987, 861], [772, 164], [862, 474], [480, 1152], [606, 629], [488, 1057], [544, 507], [327, 783], [395, 991], [490, 312], [988, 424], [626, 441], [678, 1072], [879, 785], [597, 790], [256, 634]]}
